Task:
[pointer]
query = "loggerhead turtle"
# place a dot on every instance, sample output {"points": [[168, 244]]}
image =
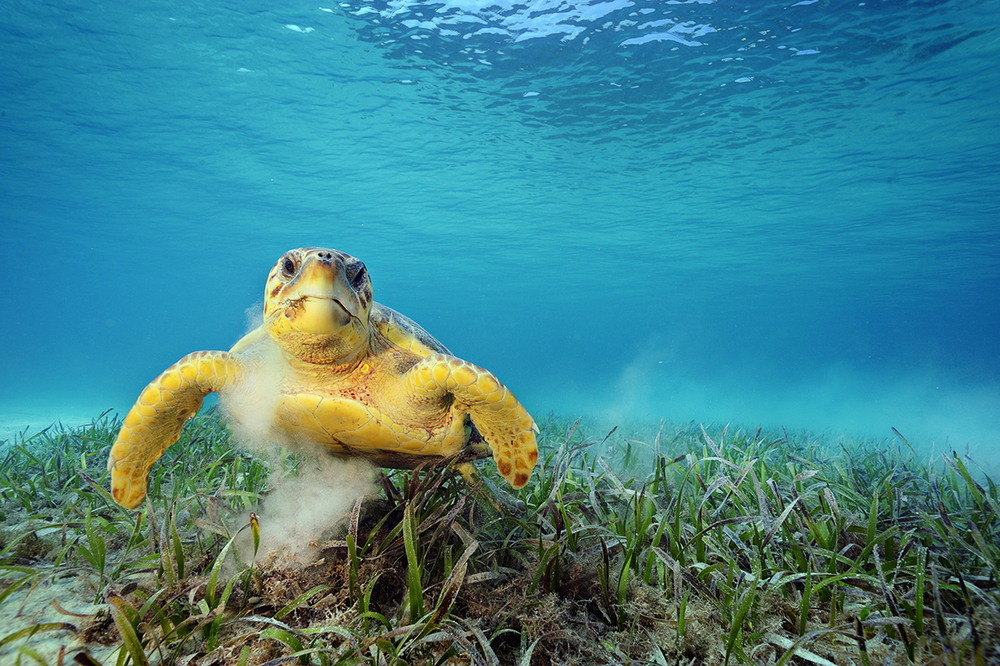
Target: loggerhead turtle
{"points": [[356, 378]]}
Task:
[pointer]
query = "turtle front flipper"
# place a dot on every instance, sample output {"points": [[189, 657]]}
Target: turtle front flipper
{"points": [[156, 419], [500, 418]]}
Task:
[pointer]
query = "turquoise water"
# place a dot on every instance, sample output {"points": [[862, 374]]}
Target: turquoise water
{"points": [[760, 213]]}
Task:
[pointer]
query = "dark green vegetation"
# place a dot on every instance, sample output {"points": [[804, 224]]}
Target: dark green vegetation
{"points": [[687, 547]]}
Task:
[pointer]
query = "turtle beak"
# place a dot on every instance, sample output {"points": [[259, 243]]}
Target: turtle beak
{"points": [[326, 279], [320, 298]]}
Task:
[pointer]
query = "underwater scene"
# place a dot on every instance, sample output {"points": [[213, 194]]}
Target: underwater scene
{"points": [[739, 263]]}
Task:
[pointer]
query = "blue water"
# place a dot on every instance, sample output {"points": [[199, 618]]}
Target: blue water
{"points": [[760, 213]]}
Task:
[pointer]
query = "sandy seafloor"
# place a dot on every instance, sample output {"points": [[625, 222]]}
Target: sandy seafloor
{"points": [[29, 606]]}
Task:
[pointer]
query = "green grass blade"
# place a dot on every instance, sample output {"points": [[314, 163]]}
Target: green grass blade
{"points": [[213, 577], [301, 599], [27, 632], [127, 628], [413, 572]]}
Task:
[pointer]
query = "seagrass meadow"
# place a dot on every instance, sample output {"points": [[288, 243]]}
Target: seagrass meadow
{"points": [[670, 544]]}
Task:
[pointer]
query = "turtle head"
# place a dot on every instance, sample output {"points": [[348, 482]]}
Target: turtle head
{"points": [[317, 303]]}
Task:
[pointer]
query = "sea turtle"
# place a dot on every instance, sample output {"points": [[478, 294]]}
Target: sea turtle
{"points": [[354, 376]]}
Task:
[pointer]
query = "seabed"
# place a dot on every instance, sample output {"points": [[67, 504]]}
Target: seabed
{"points": [[669, 544]]}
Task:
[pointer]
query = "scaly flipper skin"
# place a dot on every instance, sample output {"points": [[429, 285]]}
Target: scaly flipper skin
{"points": [[503, 422], [156, 419]]}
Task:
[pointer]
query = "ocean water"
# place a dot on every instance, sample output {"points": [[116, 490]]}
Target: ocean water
{"points": [[760, 213]]}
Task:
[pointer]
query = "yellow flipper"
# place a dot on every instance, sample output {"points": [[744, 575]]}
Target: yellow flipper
{"points": [[156, 419], [500, 418]]}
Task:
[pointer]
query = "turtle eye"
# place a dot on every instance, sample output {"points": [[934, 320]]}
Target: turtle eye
{"points": [[288, 267], [357, 273]]}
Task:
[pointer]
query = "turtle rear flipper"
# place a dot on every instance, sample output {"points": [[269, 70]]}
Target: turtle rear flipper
{"points": [[156, 419]]}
